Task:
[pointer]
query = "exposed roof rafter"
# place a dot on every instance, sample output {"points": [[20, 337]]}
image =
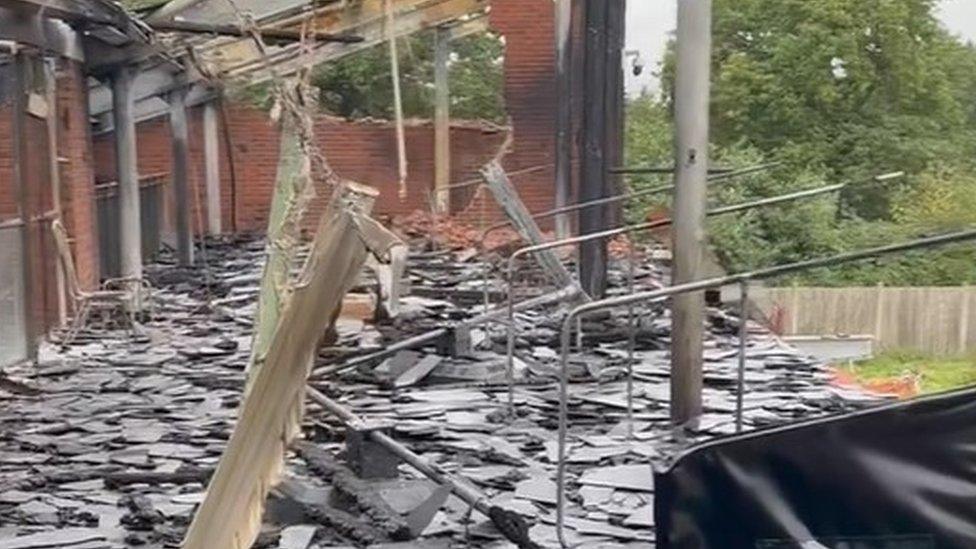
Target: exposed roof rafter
{"points": [[239, 58]]}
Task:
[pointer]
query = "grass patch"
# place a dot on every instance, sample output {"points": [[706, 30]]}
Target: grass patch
{"points": [[933, 374]]}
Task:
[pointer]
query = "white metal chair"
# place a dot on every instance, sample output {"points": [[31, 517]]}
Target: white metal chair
{"points": [[116, 295]]}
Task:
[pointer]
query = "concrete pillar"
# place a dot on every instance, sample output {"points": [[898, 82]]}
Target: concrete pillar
{"points": [[54, 170], [694, 39], [442, 121], [20, 164], [211, 155], [130, 229], [180, 176]]}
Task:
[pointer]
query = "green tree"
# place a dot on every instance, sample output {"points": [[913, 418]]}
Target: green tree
{"points": [[360, 85], [837, 90], [852, 87]]}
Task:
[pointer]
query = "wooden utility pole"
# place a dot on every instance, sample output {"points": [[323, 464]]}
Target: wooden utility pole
{"points": [[694, 40], [613, 108], [127, 174], [593, 254], [211, 159], [603, 99], [181, 185], [442, 121]]}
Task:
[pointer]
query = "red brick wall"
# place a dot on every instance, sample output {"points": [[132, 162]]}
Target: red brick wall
{"points": [[77, 178], [366, 151], [530, 101], [530, 92], [8, 189], [41, 250], [76, 191]]}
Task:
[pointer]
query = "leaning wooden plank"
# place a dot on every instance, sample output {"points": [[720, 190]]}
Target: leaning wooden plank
{"points": [[508, 198], [230, 515], [293, 190], [293, 171]]}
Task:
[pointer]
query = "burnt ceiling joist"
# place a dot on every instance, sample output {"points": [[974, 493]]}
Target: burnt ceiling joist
{"points": [[233, 58], [72, 28]]}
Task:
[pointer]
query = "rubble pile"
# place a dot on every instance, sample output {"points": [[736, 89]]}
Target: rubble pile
{"points": [[441, 231], [109, 443]]}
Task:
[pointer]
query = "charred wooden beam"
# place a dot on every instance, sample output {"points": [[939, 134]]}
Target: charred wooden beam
{"points": [[270, 414], [511, 524], [271, 34], [357, 493], [114, 480]]}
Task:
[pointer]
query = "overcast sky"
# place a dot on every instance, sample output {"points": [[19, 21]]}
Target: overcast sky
{"points": [[649, 23]]}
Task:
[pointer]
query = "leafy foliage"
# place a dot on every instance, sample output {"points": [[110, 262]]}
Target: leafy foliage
{"points": [[360, 86], [855, 87], [838, 90]]}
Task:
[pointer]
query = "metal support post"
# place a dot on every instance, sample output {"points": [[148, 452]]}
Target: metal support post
{"points": [[631, 340], [743, 343]]}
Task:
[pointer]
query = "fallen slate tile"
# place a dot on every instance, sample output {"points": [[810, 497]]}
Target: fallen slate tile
{"points": [[628, 477], [56, 538], [63, 503], [537, 489], [642, 517], [16, 496], [37, 507], [418, 371], [595, 495], [297, 537], [189, 499], [584, 526], [421, 516], [399, 363]]}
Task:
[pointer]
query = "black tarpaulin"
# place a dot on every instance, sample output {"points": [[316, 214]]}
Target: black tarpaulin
{"points": [[902, 476]]}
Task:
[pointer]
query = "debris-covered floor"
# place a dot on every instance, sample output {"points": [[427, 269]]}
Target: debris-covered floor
{"points": [[110, 442]]}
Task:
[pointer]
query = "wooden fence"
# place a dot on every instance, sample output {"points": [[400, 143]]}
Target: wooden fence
{"points": [[933, 320]]}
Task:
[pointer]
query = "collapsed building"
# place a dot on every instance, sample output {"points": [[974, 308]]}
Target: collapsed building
{"points": [[255, 340]]}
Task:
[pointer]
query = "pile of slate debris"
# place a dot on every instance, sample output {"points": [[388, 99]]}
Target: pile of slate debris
{"points": [[110, 442]]}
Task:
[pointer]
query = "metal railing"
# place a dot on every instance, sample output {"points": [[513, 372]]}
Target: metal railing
{"points": [[743, 280], [723, 177], [510, 272], [720, 177]]}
